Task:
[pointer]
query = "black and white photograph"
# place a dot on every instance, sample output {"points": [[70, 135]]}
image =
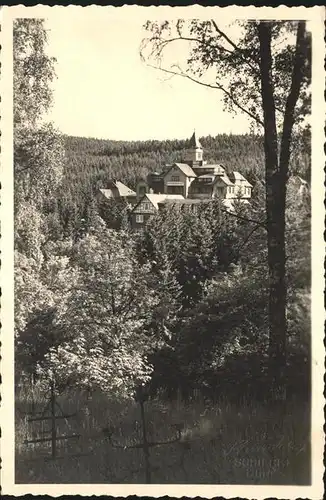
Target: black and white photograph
{"points": [[162, 257]]}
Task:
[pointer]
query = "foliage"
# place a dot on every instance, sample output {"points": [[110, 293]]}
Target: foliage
{"points": [[226, 327], [38, 160], [41, 288], [195, 243], [230, 65], [182, 303], [110, 314], [115, 212], [265, 73], [90, 163], [216, 445], [33, 72], [221, 337], [42, 273]]}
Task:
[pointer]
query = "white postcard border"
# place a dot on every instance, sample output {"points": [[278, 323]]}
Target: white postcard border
{"points": [[316, 16]]}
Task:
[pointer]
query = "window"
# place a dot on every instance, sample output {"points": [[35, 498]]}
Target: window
{"points": [[175, 190], [139, 218], [175, 178], [146, 206]]}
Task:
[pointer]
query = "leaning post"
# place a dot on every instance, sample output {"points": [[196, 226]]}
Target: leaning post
{"points": [[53, 422]]}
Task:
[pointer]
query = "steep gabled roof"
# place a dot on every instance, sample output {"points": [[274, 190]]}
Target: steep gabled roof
{"points": [[107, 193], [123, 189], [185, 169], [186, 201], [206, 176], [194, 141], [118, 186], [224, 178], [155, 199], [298, 180], [239, 178], [204, 166], [303, 182]]}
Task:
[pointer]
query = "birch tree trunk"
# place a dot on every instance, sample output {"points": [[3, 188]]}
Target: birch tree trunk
{"points": [[276, 175]]}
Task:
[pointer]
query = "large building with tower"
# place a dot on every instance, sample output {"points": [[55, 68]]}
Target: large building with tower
{"points": [[192, 179]]}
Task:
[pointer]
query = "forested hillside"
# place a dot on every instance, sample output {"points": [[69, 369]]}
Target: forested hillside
{"points": [[90, 163], [152, 337]]}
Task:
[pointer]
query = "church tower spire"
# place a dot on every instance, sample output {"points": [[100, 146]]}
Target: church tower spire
{"points": [[194, 154], [194, 141]]}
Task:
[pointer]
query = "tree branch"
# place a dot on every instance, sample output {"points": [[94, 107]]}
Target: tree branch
{"points": [[166, 41], [244, 58], [220, 32], [216, 87], [296, 81], [247, 239], [246, 219]]}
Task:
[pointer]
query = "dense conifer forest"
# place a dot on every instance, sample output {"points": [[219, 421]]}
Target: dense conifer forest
{"points": [[151, 337], [90, 163]]}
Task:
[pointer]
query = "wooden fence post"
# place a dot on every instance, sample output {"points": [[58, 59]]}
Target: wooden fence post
{"points": [[145, 445], [52, 418], [53, 422]]}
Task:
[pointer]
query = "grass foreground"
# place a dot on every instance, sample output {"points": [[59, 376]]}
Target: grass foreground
{"points": [[221, 443]]}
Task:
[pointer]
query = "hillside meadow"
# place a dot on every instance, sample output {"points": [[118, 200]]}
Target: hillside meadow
{"points": [[248, 442]]}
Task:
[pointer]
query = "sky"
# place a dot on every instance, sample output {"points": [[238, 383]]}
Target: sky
{"points": [[104, 90]]}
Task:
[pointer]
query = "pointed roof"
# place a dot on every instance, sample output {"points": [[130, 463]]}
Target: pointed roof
{"points": [[194, 141], [184, 167], [206, 176], [224, 179], [155, 199], [107, 193], [238, 178], [117, 189], [123, 189], [186, 201]]}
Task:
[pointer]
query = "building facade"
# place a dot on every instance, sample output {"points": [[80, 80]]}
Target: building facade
{"points": [[192, 179], [147, 206]]}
